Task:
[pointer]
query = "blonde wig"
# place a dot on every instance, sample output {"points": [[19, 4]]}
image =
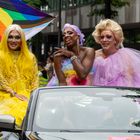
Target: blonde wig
{"points": [[108, 24], [25, 58]]}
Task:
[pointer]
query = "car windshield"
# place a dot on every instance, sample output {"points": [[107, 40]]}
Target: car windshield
{"points": [[88, 109]]}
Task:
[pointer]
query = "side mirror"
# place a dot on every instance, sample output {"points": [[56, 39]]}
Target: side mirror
{"points": [[7, 122]]}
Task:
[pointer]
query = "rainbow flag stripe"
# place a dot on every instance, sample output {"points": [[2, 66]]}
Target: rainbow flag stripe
{"points": [[30, 19]]}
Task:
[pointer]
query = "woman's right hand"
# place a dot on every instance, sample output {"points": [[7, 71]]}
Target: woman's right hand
{"points": [[63, 52], [21, 97], [58, 57]]}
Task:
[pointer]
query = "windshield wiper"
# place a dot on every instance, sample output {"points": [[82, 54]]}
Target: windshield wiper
{"points": [[75, 131], [133, 131], [100, 130]]}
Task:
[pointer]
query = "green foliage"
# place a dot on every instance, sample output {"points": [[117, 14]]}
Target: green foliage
{"points": [[99, 10], [90, 42], [137, 124], [36, 3], [97, 2], [119, 3], [42, 81], [115, 4]]}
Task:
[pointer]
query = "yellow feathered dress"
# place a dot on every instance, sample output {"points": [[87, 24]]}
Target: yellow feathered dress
{"points": [[18, 72]]}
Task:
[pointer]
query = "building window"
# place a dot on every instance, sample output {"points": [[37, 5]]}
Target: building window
{"points": [[66, 4]]}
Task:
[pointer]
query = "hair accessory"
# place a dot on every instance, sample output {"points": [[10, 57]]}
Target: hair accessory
{"points": [[77, 30]]}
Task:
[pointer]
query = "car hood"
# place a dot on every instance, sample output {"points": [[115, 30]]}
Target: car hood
{"points": [[82, 136]]}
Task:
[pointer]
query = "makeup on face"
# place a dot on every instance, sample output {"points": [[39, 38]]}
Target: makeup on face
{"points": [[17, 37], [68, 33], [14, 40], [70, 37], [107, 35]]}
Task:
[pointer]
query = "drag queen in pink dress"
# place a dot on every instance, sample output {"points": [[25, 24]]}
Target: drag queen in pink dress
{"points": [[114, 64], [73, 64]]}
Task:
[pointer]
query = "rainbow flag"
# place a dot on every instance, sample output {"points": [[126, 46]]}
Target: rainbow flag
{"points": [[30, 19]]}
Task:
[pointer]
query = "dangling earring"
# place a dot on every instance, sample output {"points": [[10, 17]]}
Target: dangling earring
{"points": [[78, 45]]}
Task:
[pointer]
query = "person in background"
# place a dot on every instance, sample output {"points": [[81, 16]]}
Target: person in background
{"points": [[18, 73], [49, 67], [73, 63], [114, 64], [43, 77]]}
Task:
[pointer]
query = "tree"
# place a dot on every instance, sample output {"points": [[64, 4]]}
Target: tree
{"points": [[107, 12], [36, 3], [104, 9], [108, 8]]}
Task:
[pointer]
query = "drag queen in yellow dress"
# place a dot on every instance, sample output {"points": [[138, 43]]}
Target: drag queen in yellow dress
{"points": [[18, 73]]}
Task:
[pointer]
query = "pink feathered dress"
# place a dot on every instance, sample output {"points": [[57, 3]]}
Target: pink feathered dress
{"points": [[119, 69]]}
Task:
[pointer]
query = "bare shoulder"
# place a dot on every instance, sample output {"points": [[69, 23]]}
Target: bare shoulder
{"points": [[89, 50], [98, 53], [87, 55]]}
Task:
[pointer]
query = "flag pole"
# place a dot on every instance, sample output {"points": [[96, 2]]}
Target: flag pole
{"points": [[59, 26]]}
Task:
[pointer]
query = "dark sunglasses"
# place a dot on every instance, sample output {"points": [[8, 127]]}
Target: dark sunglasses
{"points": [[14, 37], [106, 36]]}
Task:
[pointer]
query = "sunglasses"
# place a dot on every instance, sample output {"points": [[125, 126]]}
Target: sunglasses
{"points": [[109, 37], [14, 37]]}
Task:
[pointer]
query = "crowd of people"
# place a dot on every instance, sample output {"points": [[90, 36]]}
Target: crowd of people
{"points": [[74, 64]]}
